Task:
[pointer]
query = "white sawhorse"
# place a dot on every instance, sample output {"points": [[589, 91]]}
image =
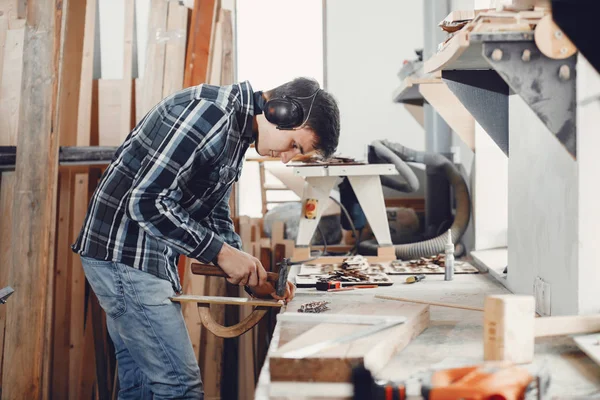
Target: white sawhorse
{"points": [[365, 180]]}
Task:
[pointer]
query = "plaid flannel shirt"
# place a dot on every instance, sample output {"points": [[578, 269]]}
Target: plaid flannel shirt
{"points": [[166, 191]]}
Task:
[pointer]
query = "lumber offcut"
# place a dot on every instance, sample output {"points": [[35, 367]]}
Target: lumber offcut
{"points": [[335, 364]]}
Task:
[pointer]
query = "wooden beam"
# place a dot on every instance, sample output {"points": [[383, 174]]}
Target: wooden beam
{"points": [[199, 42], [32, 224]]}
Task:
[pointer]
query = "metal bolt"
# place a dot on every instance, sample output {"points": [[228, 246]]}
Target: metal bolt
{"points": [[526, 55], [497, 55], [558, 34], [564, 73]]}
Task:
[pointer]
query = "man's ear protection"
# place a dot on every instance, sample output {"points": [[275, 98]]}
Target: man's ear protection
{"points": [[286, 112]]}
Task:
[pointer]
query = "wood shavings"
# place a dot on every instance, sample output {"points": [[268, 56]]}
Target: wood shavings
{"points": [[314, 307]]}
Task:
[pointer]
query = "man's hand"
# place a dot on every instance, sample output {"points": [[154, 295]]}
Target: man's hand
{"points": [[242, 268], [269, 290]]}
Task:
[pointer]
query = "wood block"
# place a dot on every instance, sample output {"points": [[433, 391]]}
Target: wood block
{"points": [[301, 253], [10, 87], [335, 364]]}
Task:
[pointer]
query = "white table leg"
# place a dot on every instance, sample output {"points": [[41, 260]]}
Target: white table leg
{"points": [[315, 188], [370, 197]]}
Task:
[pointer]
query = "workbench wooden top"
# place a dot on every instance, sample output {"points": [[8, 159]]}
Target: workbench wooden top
{"points": [[454, 336]]}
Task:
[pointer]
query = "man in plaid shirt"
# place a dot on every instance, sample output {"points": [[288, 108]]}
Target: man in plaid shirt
{"points": [[166, 193]]}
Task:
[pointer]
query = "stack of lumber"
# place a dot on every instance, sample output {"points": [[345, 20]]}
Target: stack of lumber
{"points": [[53, 337]]}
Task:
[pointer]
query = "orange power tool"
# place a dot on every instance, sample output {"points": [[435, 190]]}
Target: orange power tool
{"points": [[491, 381]]}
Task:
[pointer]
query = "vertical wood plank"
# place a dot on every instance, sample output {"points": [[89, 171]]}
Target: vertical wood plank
{"points": [[62, 304], [7, 186], [246, 342], [110, 111], [84, 112], [199, 41], [192, 284], [126, 83], [32, 225], [78, 302], [175, 50], [3, 29], [10, 87], [152, 81]]}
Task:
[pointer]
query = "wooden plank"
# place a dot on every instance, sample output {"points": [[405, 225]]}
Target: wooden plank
{"points": [[110, 112], [211, 346], [10, 8], [87, 362], [175, 50], [416, 111], [247, 372], [199, 41], [193, 284], [72, 65], [451, 109], [3, 29], [62, 301], [7, 186], [335, 364], [84, 113], [221, 300], [152, 80], [215, 58], [10, 87], [125, 121], [26, 340], [78, 304]]}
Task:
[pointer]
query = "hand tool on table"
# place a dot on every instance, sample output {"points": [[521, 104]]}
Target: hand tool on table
{"points": [[481, 382], [5, 294], [261, 306], [415, 278]]}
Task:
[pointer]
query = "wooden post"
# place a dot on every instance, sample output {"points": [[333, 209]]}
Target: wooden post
{"points": [[199, 41], [33, 201]]}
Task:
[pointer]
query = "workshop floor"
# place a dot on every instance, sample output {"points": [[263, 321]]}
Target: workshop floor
{"points": [[453, 337]]}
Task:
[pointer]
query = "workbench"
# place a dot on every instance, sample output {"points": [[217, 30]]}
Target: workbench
{"points": [[454, 336]]}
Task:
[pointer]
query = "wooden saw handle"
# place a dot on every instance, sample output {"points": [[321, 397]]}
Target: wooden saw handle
{"points": [[212, 270]]}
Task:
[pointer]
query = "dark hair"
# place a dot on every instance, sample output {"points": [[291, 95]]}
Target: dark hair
{"points": [[324, 117]]}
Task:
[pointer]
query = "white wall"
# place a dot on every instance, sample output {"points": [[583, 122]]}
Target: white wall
{"points": [[366, 44]]}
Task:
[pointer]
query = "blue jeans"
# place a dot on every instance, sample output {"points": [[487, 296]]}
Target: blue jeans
{"points": [[153, 349]]}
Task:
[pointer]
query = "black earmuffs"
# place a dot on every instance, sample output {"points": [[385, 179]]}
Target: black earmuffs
{"points": [[286, 112]]}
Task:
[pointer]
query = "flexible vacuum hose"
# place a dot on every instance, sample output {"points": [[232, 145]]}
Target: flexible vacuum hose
{"points": [[384, 154], [435, 245]]}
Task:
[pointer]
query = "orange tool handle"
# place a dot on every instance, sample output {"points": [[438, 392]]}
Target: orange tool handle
{"points": [[213, 270]]}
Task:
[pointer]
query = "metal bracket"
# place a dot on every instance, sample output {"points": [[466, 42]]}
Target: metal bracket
{"points": [[547, 86], [485, 95]]}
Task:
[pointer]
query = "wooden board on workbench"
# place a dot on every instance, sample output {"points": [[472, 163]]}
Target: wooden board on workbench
{"points": [[335, 364]]}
